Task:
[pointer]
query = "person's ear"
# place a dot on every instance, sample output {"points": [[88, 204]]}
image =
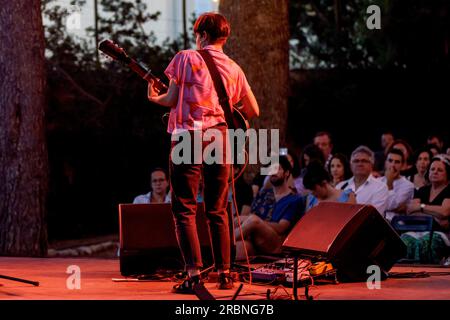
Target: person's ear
{"points": [[204, 36]]}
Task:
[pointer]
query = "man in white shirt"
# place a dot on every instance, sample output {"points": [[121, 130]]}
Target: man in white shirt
{"points": [[400, 189], [367, 188], [159, 185]]}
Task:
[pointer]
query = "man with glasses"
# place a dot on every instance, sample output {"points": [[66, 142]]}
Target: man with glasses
{"points": [[367, 188], [159, 186]]}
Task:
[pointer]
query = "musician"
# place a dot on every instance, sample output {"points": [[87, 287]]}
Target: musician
{"points": [[195, 107]]}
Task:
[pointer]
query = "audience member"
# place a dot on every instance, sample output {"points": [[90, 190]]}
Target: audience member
{"points": [[422, 159], [403, 146], [367, 188], [323, 141], [310, 153], [434, 200], [317, 180], [339, 169], [265, 229], [434, 149], [387, 138], [295, 180], [400, 189], [436, 140], [159, 185]]}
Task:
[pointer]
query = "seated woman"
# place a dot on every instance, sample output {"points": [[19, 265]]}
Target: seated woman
{"points": [[434, 200], [422, 159], [339, 169], [317, 180]]}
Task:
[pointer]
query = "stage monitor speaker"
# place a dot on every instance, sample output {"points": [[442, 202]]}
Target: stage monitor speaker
{"points": [[351, 236], [148, 241]]}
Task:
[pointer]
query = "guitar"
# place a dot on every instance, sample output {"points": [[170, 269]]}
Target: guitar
{"points": [[117, 53]]}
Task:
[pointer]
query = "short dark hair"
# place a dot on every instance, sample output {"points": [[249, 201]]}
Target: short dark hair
{"points": [[214, 24], [324, 133], [285, 164], [407, 146], [315, 174], [159, 169], [397, 152]]}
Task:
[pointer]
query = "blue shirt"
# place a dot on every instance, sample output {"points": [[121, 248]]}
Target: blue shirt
{"points": [[291, 207], [342, 198]]}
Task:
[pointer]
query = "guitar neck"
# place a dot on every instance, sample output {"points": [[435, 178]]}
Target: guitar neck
{"points": [[146, 74]]}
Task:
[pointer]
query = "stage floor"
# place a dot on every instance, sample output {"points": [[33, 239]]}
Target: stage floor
{"points": [[97, 274]]}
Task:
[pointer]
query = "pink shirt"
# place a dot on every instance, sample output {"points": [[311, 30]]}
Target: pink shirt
{"points": [[198, 104]]}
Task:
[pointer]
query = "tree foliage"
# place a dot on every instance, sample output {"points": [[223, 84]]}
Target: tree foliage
{"points": [[333, 34], [102, 131]]}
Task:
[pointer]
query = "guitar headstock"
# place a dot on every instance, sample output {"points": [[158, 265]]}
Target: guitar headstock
{"points": [[113, 50]]}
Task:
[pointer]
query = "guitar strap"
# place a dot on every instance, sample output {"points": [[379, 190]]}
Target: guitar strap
{"points": [[224, 100]]}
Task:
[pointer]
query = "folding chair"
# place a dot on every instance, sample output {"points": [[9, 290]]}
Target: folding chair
{"points": [[403, 224]]}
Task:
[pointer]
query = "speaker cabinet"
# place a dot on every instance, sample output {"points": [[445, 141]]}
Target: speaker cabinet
{"points": [[351, 236], [148, 241]]}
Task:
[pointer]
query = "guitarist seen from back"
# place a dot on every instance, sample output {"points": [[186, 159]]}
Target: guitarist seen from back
{"points": [[195, 106]]}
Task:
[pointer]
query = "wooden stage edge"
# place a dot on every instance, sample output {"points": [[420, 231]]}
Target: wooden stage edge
{"points": [[54, 276]]}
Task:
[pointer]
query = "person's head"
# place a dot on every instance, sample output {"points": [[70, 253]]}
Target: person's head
{"points": [[362, 161], [323, 140], [448, 151], [404, 147], [311, 153], [317, 180], [394, 161], [434, 149], [436, 140], [293, 160], [211, 28], [439, 172], [387, 138], [339, 167], [282, 175], [422, 159], [159, 181]]}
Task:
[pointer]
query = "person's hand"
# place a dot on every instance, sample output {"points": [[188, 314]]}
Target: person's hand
{"points": [[401, 208], [413, 206], [152, 91], [390, 174]]}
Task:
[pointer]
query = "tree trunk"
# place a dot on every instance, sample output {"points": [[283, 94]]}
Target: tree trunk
{"points": [[23, 151], [259, 43]]}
